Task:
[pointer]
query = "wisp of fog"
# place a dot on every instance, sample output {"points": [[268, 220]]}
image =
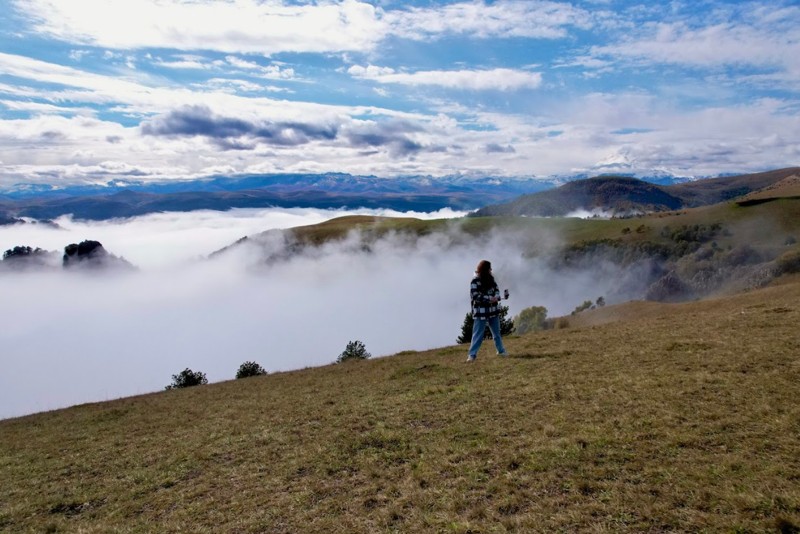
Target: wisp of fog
{"points": [[75, 337]]}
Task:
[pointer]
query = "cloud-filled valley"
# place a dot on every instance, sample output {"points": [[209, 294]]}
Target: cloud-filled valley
{"points": [[73, 337]]}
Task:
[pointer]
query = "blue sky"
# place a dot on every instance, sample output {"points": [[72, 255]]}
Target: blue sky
{"points": [[100, 90]]}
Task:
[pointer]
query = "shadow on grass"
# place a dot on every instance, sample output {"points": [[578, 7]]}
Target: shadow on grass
{"points": [[541, 355]]}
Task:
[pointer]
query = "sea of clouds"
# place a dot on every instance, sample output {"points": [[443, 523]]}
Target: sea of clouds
{"points": [[71, 337]]}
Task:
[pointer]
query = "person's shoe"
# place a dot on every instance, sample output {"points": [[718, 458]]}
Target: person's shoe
{"points": [[470, 359], [503, 354]]}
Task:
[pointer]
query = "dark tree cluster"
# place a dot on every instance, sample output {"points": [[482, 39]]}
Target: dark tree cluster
{"points": [[187, 378], [585, 254], [694, 233], [248, 369], [21, 252], [21, 257], [87, 253]]}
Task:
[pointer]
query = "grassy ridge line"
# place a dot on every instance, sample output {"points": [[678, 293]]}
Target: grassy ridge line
{"points": [[782, 217], [683, 420]]}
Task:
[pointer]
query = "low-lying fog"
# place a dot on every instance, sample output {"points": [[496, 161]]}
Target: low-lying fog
{"points": [[69, 337]]}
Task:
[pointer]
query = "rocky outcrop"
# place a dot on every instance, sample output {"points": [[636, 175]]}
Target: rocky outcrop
{"points": [[91, 254]]}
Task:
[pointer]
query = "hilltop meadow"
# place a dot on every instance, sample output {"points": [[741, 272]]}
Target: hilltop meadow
{"points": [[657, 417], [640, 416]]}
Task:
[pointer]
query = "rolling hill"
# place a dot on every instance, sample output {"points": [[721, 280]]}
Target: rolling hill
{"points": [[788, 187], [622, 196], [664, 256]]}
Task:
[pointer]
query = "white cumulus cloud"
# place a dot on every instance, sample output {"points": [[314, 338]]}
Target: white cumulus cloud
{"points": [[229, 26]]}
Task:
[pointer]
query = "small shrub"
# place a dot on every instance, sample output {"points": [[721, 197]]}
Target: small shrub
{"points": [[187, 378], [250, 369], [531, 319], [355, 350], [585, 306]]}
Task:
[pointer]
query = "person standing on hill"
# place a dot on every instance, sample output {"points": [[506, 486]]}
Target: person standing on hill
{"points": [[485, 297]]}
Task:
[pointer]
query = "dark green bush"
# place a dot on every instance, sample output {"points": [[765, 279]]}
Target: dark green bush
{"points": [[585, 306], [187, 378], [250, 369], [355, 350]]}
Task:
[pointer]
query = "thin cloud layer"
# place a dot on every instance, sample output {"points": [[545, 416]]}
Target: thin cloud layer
{"points": [[753, 35], [529, 18], [471, 80]]}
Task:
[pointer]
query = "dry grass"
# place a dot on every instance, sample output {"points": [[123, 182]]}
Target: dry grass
{"points": [[683, 417]]}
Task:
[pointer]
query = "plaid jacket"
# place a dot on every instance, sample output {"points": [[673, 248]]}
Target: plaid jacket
{"points": [[481, 307]]}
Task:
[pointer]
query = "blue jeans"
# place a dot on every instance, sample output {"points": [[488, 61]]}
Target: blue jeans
{"points": [[478, 331]]}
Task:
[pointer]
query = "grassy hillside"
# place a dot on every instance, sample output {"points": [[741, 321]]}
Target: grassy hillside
{"points": [[789, 187], [676, 255], [608, 193], [703, 192], [681, 418], [744, 221], [624, 196]]}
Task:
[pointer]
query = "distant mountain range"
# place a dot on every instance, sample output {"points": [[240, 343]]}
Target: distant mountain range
{"points": [[619, 196], [488, 195], [127, 199]]}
